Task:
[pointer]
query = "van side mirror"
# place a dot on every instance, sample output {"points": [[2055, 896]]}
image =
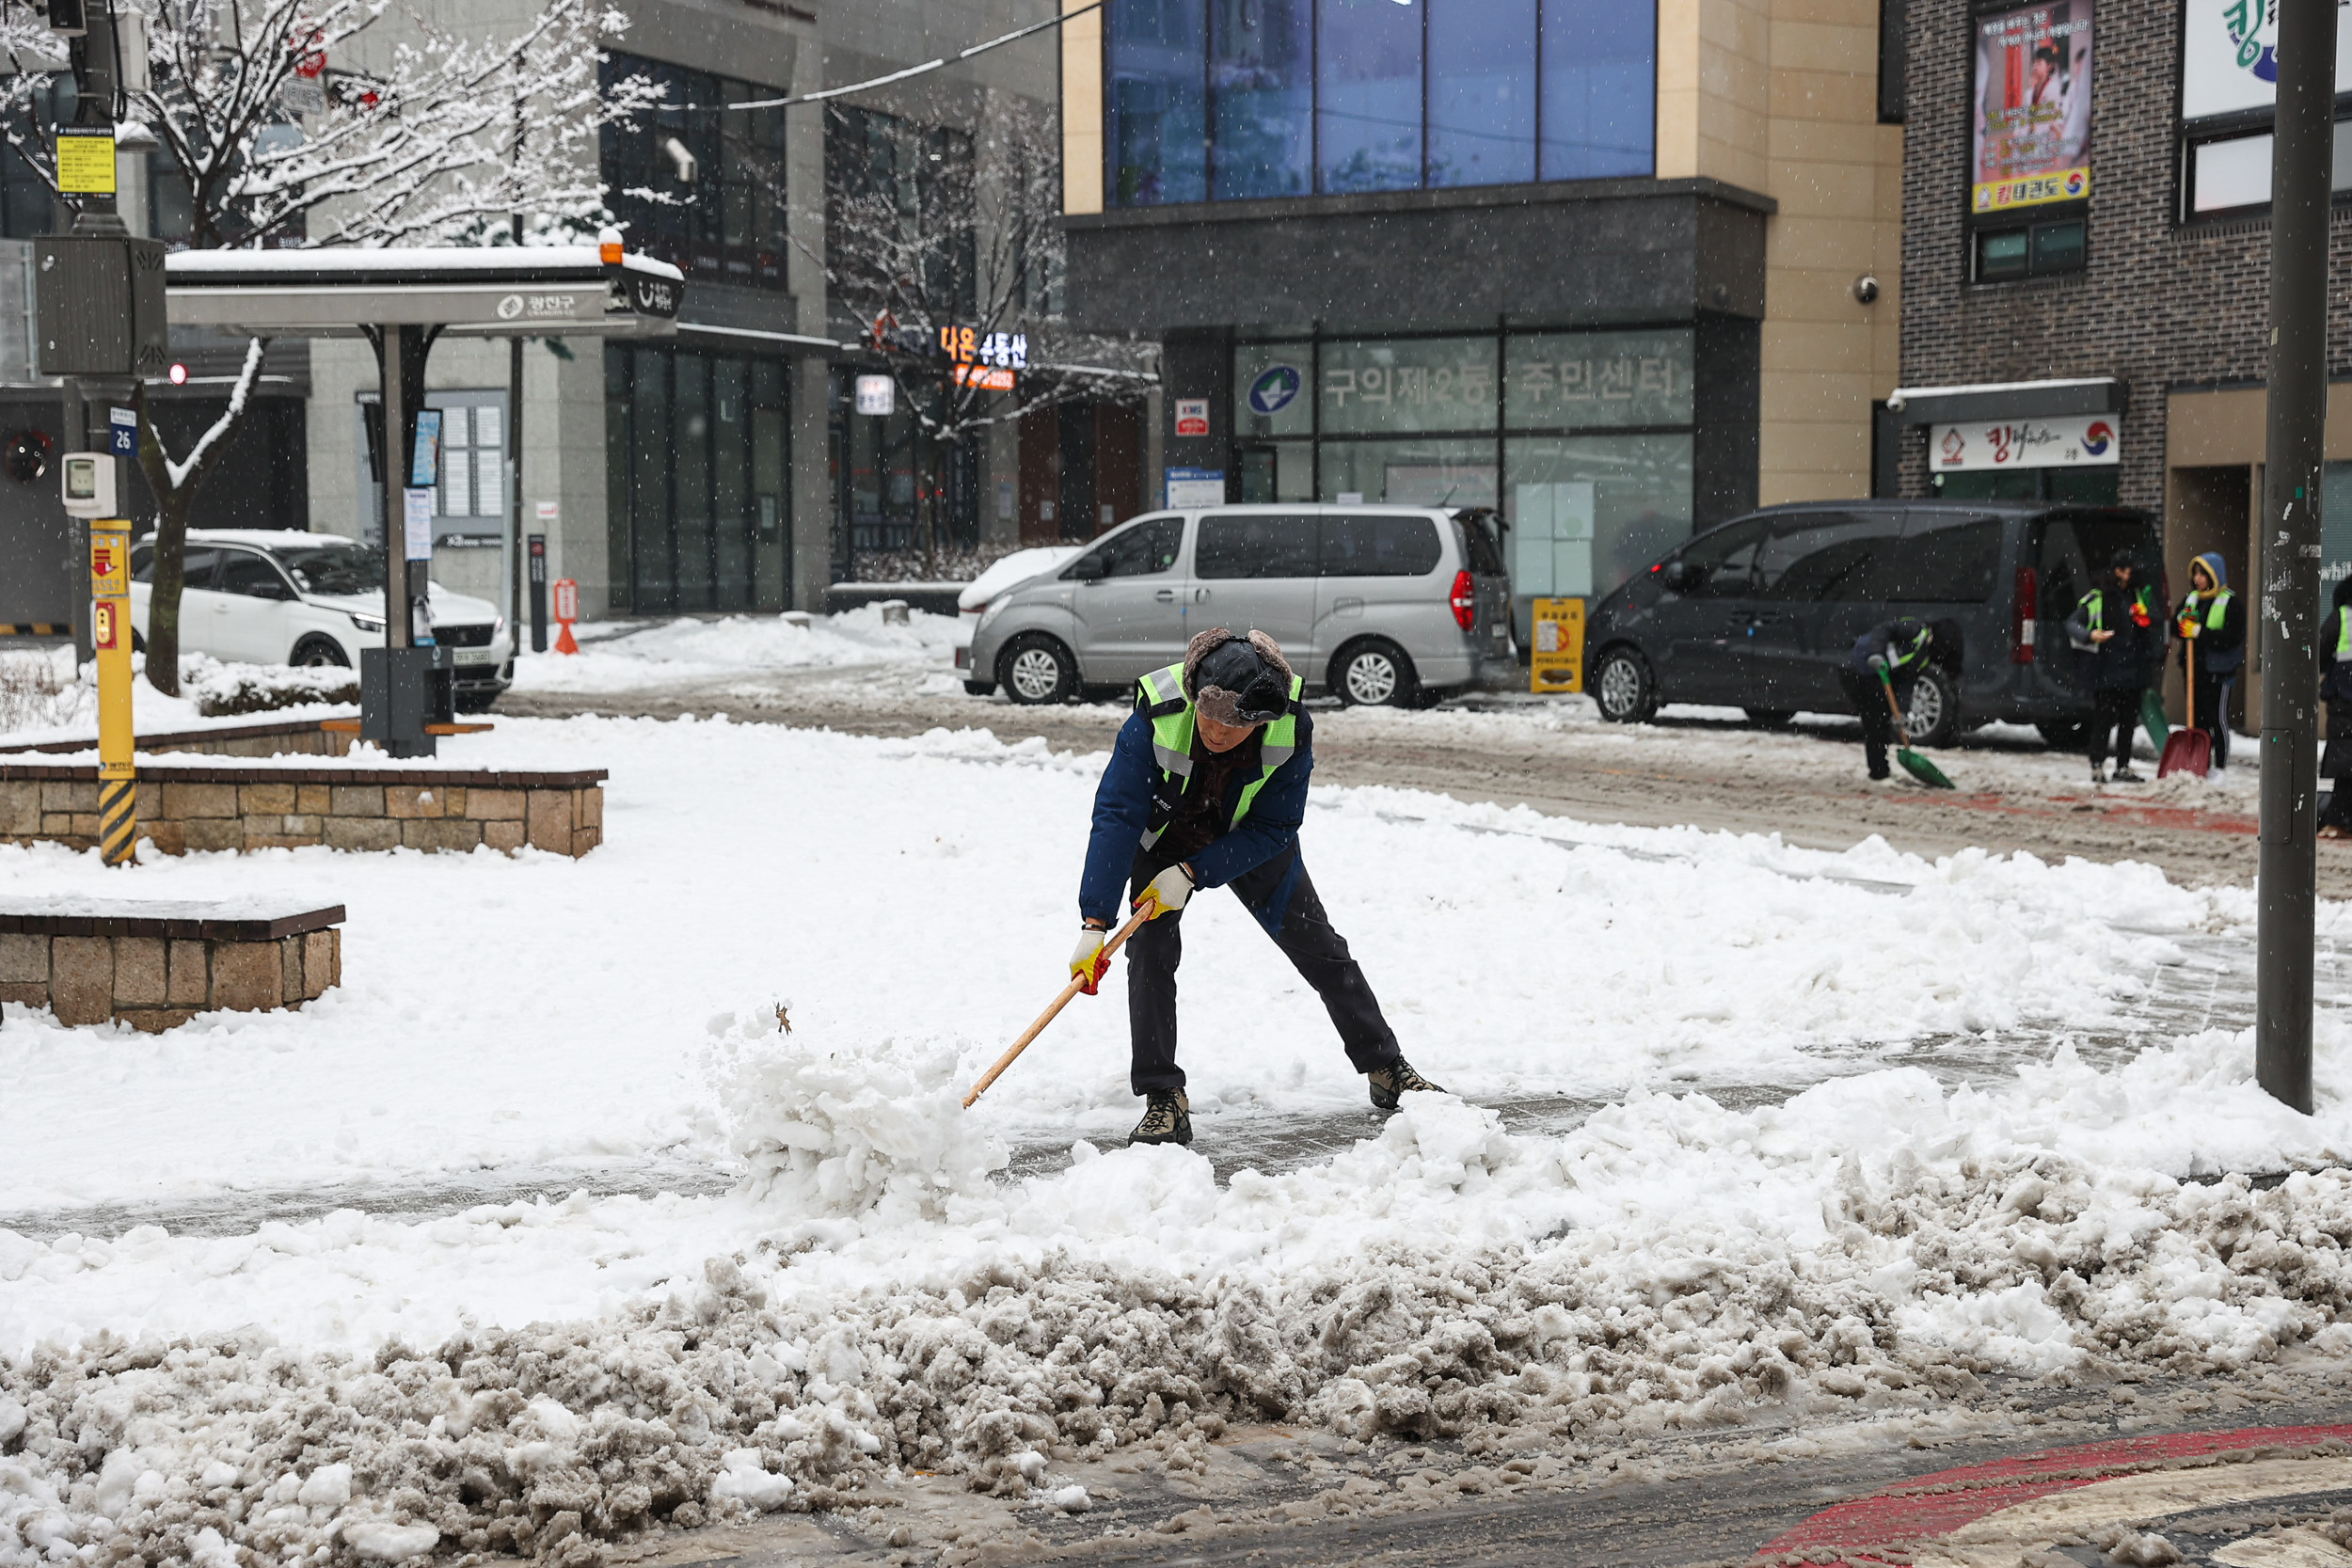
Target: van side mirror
{"points": [[1682, 575], [1087, 569]]}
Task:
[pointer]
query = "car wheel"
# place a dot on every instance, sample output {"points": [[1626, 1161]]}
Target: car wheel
{"points": [[1623, 687], [1375, 674], [1931, 718], [1034, 670], [316, 652], [981, 689], [2065, 734], [1770, 717]]}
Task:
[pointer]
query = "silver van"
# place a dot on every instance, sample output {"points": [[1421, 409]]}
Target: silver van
{"points": [[1377, 604]]}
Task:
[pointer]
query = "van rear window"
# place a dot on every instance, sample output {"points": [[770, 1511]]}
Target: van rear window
{"points": [[2072, 551], [1375, 545]]}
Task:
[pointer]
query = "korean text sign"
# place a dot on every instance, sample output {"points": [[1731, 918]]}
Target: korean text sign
{"points": [[2032, 111]]}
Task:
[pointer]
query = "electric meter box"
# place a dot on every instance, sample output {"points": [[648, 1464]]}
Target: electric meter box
{"points": [[89, 484]]}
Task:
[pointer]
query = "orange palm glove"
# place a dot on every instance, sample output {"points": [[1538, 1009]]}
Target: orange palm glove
{"points": [[1090, 964]]}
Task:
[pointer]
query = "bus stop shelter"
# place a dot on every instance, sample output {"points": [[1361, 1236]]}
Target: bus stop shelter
{"points": [[403, 301]]}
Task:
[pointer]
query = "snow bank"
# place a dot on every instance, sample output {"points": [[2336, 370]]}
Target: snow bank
{"points": [[691, 649], [826, 1132], [545, 1376]]}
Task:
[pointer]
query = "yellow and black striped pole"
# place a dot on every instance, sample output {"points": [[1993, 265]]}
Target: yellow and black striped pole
{"points": [[110, 628]]}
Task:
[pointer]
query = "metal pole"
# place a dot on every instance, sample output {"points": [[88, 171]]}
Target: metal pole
{"points": [[397, 436], [514, 466], [2302, 152]]}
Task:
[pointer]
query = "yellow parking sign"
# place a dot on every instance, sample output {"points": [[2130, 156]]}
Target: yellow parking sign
{"points": [[1556, 662]]}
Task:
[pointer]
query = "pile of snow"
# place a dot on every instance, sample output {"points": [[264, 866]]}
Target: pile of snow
{"points": [[220, 690], [830, 1133], [543, 1377], [687, 649], [1012, 569]]}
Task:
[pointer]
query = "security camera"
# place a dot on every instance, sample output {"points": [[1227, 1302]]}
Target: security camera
{"points": [[1866, 289], [687, 168]]}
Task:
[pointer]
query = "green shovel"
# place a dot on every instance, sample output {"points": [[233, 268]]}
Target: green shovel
{"points": [[1914, 764]]}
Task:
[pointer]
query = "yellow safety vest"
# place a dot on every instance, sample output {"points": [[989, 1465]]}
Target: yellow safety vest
{"points": [[1161, 695]]}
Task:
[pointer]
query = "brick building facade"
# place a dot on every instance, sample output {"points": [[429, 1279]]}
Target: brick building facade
{"points": [[2169, 303]]}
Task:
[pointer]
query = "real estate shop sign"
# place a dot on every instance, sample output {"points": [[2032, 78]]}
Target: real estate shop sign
{"points": [[2032, 110], [2229, 56], [2084, 441]]}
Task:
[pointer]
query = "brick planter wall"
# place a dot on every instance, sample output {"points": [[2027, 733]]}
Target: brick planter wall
{"points": [[232, 807], [154, 972]]}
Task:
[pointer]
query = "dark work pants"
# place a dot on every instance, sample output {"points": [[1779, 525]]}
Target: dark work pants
{"points": [[2213, 712], [1318, 952], [1869, 699], [2113, 716]]}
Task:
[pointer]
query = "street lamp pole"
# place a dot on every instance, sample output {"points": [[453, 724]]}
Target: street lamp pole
{"points": [[2301, 156]]}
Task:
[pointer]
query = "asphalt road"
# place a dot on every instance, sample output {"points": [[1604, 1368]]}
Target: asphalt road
{"points": [[1686, 768]]}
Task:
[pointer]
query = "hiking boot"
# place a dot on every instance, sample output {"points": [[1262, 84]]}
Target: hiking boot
{"points": [[2125, 775], [1166, 1119], [1390, 1083], [1880, 774]]}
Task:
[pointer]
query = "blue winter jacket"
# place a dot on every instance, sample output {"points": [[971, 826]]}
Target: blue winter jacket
{"points": [[1122, 814]]}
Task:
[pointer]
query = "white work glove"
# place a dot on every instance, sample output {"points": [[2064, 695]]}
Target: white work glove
{"points": [[1090, 964], [1878, 663], [1166, 892]]}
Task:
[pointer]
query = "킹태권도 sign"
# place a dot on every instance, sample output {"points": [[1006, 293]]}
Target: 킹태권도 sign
{"points": [[2078, 440]]}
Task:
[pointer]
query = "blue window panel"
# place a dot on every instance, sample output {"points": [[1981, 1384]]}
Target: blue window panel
{"points": [[1600, 79], [1158, 101], [1262, 83], [1481, 91], [1368, 101]]}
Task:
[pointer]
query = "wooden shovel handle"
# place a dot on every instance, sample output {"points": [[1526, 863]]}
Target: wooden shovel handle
{"points": [[1119, 939]]}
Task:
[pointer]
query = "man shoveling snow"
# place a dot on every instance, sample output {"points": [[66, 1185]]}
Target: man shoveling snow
{"points": [[1207, 786]]}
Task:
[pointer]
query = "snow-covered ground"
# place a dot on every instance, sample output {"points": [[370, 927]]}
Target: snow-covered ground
{"points": [[873, 1293], [632, 656]]}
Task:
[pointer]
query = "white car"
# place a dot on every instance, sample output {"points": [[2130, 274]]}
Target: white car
{"points": [[1001, 576], [271, 597]]}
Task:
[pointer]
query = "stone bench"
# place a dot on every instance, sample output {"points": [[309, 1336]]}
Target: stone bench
{"points": [[155, 965], [225, 806]]}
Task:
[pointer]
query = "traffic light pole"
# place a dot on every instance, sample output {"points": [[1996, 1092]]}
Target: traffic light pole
{"points": [[2302, 152]]}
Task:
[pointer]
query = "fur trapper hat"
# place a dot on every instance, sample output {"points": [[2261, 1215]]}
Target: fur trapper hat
{"points": [[1236, 680]]}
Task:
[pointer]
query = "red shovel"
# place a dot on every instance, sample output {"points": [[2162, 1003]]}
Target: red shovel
{"points": [[2188, 749]]}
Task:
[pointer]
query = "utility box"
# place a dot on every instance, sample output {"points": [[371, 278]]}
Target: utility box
{"points": [[98, 305], [401, 691]]}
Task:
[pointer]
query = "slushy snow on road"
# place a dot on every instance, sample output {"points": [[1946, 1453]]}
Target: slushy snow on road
{"points": [[1790, 1198]]}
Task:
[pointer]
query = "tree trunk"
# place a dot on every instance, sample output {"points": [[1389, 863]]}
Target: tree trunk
{"points": [[173, 503]]}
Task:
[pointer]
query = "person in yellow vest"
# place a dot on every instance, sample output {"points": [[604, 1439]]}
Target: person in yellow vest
{"points": [[2211, 620], [2335, 686], [1207, 787]]}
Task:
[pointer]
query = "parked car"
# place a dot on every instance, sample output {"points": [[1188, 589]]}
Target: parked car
{"points": [[1008, 572], [1382, 605], [1760, 611], [270, 597]]}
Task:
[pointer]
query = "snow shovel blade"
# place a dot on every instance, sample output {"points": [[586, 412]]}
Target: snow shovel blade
{"points": [[2188, 752], [2152, 718], [1921, 769]]}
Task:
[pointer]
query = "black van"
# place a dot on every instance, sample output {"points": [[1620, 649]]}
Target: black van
{"points": [[1761, 611]]}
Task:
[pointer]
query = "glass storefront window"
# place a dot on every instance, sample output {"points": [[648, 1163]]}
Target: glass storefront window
{"points": [[1260, 66], [1370, 387], [1481, 91], [1633, 490], [1279, 472], [696, 474], [1270, 392], [1368, 80], [1582, 379], [1157, 103], [1409, 473]]}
